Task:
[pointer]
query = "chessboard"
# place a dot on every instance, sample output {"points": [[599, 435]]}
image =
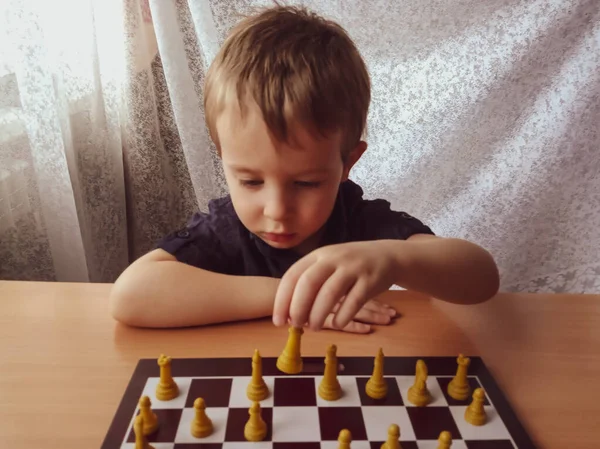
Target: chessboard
{"points": [[333, 401]]}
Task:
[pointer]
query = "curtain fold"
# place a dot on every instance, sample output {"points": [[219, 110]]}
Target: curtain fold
{"points": [[484, 124]]}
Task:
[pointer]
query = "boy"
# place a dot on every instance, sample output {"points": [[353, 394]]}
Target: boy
{"points": [[286, 102]]}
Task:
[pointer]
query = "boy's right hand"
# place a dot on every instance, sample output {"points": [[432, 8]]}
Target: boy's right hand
{"points": [[373, 312]]}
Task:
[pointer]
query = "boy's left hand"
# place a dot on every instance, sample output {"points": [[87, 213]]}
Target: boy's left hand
{"points": [[312, 288]]}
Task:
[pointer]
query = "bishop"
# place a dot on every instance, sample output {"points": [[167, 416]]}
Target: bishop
{"points": [[329, 388], [257, 389], [376, 387]]}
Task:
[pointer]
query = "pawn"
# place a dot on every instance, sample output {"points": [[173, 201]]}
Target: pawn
{"points": [[201, 426], [149, 417], [329, 388], [475, 412], [376, 387], [257, 389], [393, 439], [140, 439], [256, 428], [344, 439], [445, 440]]}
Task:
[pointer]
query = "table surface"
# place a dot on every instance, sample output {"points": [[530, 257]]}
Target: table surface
{"points": [[67, 362]]}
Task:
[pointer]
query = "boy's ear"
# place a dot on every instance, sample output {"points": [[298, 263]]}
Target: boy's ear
{"points": [[353, 158]]}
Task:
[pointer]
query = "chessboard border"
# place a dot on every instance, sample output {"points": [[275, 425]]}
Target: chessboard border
{"points": [[349, 366]]}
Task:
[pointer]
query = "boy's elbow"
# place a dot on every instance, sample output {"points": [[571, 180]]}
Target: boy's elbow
{"points": [[124, 304], [489, 285]]}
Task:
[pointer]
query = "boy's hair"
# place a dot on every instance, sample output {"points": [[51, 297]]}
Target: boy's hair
{"points": [[294, 65]]}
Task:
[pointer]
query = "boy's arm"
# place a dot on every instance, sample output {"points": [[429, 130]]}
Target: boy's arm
{"points": [[159, 291], [452, 270]]}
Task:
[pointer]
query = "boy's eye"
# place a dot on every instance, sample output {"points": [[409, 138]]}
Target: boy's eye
{"points": [[308, 184], [250, 182]]}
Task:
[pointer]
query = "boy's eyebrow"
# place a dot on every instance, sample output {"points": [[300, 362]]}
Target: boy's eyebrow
{"points": [[242, 169]]}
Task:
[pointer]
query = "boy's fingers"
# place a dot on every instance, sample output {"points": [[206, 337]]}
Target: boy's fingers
{"points": [[351, 305], [352, 327], [328, 298], [285, 291], [373, 317], [306, 290], [379, 307]]}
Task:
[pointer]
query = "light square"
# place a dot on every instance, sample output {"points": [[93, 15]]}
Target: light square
{"points": [[350, 396], [296, 424], [437, 397], [493, 429], [218, 416], [354, 444], [378, 420], [433, 444], [238, 398], [179, 402]]}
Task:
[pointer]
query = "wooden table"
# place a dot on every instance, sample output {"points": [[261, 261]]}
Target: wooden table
{"points": [[66, 363]]}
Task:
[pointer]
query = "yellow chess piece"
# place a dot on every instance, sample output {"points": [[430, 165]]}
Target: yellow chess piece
{"points": [[201, 425], [290, 360], [418, 394], [140, 439], [376, 387], [444, 440], [166, 389], [149, 417], [393, 439], [344, 439], [329, 387], [256, 428], [257, 389], [459, 388], [475, 412]]}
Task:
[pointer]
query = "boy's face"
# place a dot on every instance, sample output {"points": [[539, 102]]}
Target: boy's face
{"points": [[281, 193]]}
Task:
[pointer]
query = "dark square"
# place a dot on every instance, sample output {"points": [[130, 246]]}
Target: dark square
{"points": [[215, 392], [296, 445], [393, 395], [237, 419], [294, 392], [333, 420], [429, 422], [198, 446], [168, 422], [490, 444], [473, 383], [404, 444]]}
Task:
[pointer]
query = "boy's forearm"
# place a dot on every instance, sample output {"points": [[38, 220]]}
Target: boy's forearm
{"points": [[173, 294], [452, 270]]}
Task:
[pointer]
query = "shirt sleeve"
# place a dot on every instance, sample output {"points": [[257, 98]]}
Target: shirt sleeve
{"points": [[202, 243], [377, 221]]}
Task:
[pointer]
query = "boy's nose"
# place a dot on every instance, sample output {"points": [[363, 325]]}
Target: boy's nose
{"points": [[276, 208]]}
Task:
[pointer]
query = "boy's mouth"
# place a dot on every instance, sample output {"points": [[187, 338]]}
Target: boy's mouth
{"points": [[278, 237]]}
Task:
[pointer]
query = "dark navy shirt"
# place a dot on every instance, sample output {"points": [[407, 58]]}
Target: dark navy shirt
{"points": [[218, 241]]}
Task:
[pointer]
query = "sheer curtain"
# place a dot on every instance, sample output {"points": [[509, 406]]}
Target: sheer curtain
{"points": [[483, 124]]}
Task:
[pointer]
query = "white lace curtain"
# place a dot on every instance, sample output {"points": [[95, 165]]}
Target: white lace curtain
{"points": [[484, 124]]}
